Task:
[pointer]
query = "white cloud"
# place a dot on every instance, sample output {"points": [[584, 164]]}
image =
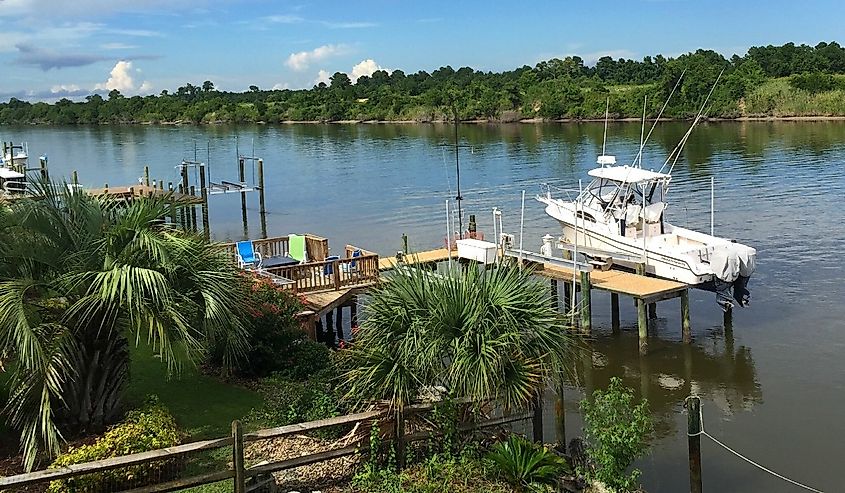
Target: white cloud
{"points": [[117, 46], [348, 25], [284, 19], [301, 60], [365, 67], [64, 88], [120, 78], [281, 86], [146, 87], [322, 76]]}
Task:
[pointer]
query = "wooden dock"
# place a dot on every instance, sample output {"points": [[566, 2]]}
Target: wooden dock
{"points": [[429, 256], [651, 289], [140, 190]]}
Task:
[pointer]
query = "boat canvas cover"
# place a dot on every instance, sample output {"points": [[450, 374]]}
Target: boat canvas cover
{"points": [[627, 174], [7, 174]]}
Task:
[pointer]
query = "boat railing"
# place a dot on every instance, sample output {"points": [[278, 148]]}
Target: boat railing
{"points": [[555, 192]]}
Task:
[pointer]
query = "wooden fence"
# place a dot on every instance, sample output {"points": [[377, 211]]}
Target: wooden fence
{"points": [[329, 275], [316, 247], [246, 478]]}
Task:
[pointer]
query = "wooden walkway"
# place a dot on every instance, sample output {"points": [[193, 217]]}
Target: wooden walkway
{"points": [[620, 282], [428, 256], [137, 191]]}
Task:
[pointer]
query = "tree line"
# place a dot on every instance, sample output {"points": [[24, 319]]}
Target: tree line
{"points": [[554, 89]]}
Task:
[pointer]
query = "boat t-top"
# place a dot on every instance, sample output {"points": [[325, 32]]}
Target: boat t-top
{"points": [[620, 217]]}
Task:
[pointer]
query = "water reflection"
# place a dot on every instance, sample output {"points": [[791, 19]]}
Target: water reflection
{"points": [[714, 368]]}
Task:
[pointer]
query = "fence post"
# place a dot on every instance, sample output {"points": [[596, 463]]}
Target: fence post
{"points": [[693, 405], [537, 418], [238, 457], [400, 438], [336, 274]]}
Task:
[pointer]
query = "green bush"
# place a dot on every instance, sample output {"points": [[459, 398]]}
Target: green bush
{"points": [[526, 465], [814, 82], [289, 401], [148, 428], [617, 431], [275, 335]]}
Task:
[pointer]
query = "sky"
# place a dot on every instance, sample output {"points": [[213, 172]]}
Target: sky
{"points": [[70, 48]]}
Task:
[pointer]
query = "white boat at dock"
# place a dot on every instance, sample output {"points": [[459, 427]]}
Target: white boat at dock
{"points": [[620, 218], [15, 155]]}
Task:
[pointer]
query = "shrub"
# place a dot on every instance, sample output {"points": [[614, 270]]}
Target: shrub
{"points": [[274, 333], [616, 432], [813, 82], [148, 428], [525, 465], [289, 401]]}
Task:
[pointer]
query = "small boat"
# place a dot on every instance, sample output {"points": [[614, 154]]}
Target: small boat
{"points": [[12, 183], [15, 155], [619, 218]]}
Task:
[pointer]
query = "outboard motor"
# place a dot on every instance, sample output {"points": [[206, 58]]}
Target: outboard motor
{"points": [[733, 265]]}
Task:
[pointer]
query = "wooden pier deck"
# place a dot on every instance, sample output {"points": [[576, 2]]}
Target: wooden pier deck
{"points": [[137, 191], [438, 255], [620, 282]]}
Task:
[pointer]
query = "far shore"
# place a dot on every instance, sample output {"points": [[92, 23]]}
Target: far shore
{"points": [[819, 118]]}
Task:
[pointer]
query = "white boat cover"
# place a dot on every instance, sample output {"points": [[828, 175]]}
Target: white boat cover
{"points": [[732, 260]]}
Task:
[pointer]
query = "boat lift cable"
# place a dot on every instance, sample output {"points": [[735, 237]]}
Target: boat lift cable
{"points": [[741, 456]]}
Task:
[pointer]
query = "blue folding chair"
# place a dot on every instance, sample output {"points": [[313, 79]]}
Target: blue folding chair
{"points": [[248, 257], [328, 270], [352, 266]]}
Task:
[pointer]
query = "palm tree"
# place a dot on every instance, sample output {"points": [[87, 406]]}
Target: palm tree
{"points": [[492, 334], [80, 279]]}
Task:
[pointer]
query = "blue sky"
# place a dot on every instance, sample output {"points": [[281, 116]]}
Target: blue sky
{"points": [[55, 48]]}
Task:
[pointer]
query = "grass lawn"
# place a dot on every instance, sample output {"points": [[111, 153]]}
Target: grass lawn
{"points": [[203, 406]]}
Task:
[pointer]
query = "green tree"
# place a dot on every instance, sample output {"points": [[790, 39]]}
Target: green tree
{"points": [[81, 277], [617, 431], [491, 334], [207, 86]]}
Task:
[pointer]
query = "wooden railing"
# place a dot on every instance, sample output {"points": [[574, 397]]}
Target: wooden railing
{"points": [[330, 275], [392, 425], [316, 247]]}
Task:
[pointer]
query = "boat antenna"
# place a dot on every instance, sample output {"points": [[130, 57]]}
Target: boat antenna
{"points": [[677, 151], [606, 113], [665, 104], [642, 132]]}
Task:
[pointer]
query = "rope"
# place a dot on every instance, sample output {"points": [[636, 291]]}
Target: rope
{"points": [[746, 459]]}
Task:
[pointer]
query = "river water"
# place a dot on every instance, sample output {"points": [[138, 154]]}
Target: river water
{"points": [[774, 390]]}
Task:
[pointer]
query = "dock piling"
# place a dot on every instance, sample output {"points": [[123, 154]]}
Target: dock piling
{"points": [[206, 231], [242, 179], [193, 192], [685, 318], [74, 178], [693, 405], [586, 304], [554, 292], [45, 173], [329, 334], [262, 210], [614, 313], [652, 311], [147, 175], [338, 321]]}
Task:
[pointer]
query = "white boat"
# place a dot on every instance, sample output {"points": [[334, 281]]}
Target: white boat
{"points": [[620, 216], [15, 155]]}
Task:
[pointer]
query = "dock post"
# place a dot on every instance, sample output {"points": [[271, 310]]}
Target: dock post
{"points": [[614, 313], [537, 418], [652, 311], [554, 291], [193, 210], [338, 323], [238, 457], [404, 243], [45, 174], [328, 336], [74, 178], [642, 318], [204, 194], [184, 171], [685, 319], [242, 178], [147, 175], [586, 315], [560, 416], [182, 207], [262, 210], [318, 330], [693, 405], [106, 189], [728, 319]]}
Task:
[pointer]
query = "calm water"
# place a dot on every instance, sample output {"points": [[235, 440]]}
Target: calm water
{"points": [[773, 391]]}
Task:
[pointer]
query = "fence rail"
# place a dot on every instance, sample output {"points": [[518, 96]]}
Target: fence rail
{"points": [[391, 425]]}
